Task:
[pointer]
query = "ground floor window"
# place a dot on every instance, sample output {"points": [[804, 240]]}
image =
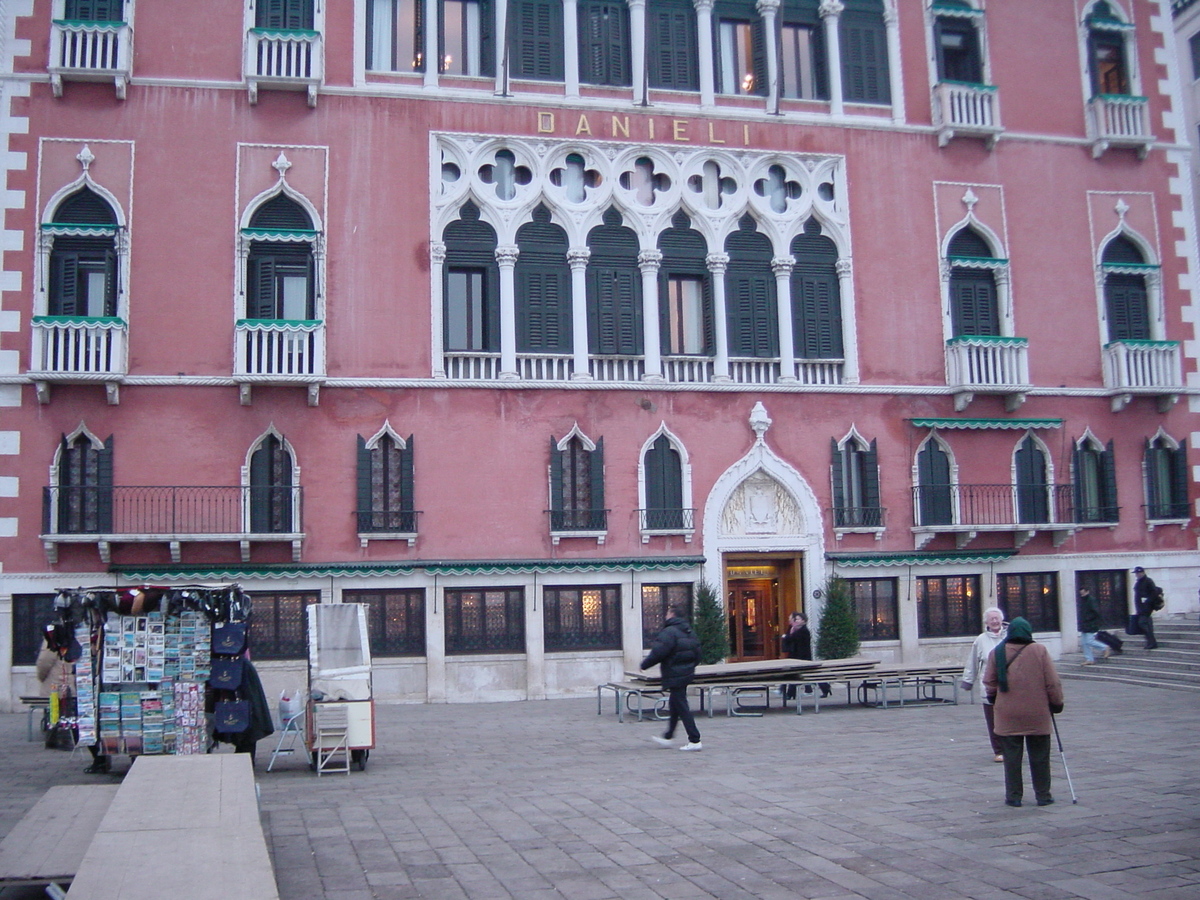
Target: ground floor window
{"points": [[1111, 588], [395, 620], [31, 613], [485, 620], [278, 626], [582, 618], [656, 599], [948, 606], [1033, 595], [876, 607]]}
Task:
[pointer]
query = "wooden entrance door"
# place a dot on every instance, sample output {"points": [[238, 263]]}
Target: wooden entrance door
{"points": [[751, 620]]}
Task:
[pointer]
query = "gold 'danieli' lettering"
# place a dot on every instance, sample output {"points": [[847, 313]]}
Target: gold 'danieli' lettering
{"points": [[545, 123], [621, 126], [745, 135], [582, 127], [712, 138], [679, 129]]}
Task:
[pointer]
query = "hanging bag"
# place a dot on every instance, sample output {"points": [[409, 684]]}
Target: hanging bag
{"points": [[231, 716], [226, 674], [228, 638]]}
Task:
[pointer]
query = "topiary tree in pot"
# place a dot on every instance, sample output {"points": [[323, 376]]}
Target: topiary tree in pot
{"points": [[837, 637], [708, 620]]}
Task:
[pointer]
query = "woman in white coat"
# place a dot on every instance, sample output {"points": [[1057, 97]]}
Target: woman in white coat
{"points": [[994, 631]]}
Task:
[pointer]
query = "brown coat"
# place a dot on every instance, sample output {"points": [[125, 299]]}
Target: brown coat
{"points": [[1033, 690]]}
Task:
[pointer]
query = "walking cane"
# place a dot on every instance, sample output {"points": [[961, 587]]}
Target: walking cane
{"points": [[1054, 721]]}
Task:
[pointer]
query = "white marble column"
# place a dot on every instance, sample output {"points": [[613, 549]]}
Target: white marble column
{"points": [[577, 259], [535, 644], [831, 11], [768, 10], [844, 271], [717, 264], [637, 49], [433, 59], [782, 267], [437, 262], [704, 55], [649, 262], [571, 47], [506, 258], [891, 22], [500, 50], [435, 645]]}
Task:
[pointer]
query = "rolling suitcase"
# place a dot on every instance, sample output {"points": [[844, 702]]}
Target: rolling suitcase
{"points": [[1110, 639]]}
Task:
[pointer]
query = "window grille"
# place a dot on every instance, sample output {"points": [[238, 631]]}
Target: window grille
{"points": [[30, 614], [582, 618], [486, 620], [277, 628], [948, 606], [395, 620], [656, 603], [877, 608], [1033, 595]]}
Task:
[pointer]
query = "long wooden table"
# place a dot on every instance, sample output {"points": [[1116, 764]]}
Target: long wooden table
{"points": [[47, 846]]}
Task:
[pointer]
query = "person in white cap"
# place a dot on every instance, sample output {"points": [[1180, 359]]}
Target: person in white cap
{"points": [[1145, 594]]}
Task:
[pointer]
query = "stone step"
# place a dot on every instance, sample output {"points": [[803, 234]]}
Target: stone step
{"points": [[1086, 675]]}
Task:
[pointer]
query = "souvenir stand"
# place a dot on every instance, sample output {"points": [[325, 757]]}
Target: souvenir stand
{"points": [[341, 711], [141, 680]]}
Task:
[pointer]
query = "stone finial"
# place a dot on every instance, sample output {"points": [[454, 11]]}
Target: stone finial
{"points": [[281, 164], [759, 421], [85, 157]]}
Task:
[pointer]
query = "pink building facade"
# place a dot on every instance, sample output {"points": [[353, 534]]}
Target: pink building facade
{"points": [[521, 345]]}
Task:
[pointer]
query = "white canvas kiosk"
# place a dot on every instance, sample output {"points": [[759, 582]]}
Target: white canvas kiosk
{"points": [[339, 677]]}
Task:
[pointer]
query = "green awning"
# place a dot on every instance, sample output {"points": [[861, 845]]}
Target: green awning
{"points": [[918, 558], [984, 424], [392, 569]]}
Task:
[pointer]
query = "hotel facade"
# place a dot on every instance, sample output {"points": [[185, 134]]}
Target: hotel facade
{"points": [[516, 319]]}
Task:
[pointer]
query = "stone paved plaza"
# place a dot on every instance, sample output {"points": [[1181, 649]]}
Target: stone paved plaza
{"points": [[543, 800]]}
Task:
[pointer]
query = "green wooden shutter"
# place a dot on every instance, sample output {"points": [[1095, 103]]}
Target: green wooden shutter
{"points": [[614, 289], [487, 38], [64, 297], [671, 46], [63, 513], [94, 10], [758, 44], [836, 475], [816, 297], [365, 507], [537, 36], [284, 14], [260, 287], [1179, 481], [864, 57], [543, 287], [407, 497], [870, 483], [104, 488], [1031, 483], [1127, 307], [417, 51], [603, 43], [933, 477], [556, 485], [1077, 489], [973, 302], [596, 471], [1108, 470]]}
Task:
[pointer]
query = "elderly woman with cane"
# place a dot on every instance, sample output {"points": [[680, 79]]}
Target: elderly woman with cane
{"points": [[1022, 683]]}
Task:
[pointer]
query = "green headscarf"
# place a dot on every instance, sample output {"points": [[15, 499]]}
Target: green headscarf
{"points": [[1019, 632]]}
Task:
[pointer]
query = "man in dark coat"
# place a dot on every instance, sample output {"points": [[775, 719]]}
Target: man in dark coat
{"points": [[1145, 592], [677, 650], [1090, 622]]}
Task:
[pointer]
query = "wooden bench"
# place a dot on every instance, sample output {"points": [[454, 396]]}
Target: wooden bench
{"points": [[623, 694], [48, 845], [184, 827]]}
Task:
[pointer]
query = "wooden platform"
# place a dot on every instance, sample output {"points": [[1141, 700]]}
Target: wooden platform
{"points": [[49, 843], [184, 827]]}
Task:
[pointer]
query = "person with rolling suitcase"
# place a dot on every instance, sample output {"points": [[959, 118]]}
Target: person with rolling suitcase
{"points": [[1114, 643], [1089, 624]]}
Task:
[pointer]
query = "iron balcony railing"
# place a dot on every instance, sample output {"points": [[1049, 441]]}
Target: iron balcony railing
{"points": [[1168, 509], [392, 521], [857, 516], [667, 519], [171, 510], [997, 505], [578, 519]]}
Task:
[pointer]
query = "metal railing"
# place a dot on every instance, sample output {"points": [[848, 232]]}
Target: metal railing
{"points": [[72, 345], [280, 349], [1002, 505], [90, 47], [1143, 365], [667, 519], [984, 361], [1168, 509], [578, 519], [967, 108], [171, 510], [392, 521], [857, 516]]}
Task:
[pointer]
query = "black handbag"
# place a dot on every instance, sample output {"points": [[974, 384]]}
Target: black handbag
{"points": [[228, 638], [226, 674], [1132, 626], [231, 716]]}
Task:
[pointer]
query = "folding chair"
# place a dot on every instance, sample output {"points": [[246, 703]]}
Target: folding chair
{"points": [[290, 728], [331, 737]]}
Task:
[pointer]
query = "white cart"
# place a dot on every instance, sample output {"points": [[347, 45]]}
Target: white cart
{"points": [[340, 725]]}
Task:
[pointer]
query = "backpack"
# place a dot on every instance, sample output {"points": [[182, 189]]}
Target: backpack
{"points": [[1157, 602]]}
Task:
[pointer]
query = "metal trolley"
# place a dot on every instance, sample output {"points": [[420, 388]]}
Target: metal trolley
{"points": [[340, 725]]}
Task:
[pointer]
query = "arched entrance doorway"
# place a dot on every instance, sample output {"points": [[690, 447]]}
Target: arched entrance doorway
{"points": [[761, 591]]}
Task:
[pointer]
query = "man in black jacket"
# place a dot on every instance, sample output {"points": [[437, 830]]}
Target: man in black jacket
{"points": [[1145, 593], [677, 649]]}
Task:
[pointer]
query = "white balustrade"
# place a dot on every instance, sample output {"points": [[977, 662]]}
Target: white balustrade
{"points": [[819, 371], [1119, 121], [617, 368], [69, 346], [967, 109], [754, 371], [467, 366], [544, 367], [688, 369], [90, 51], [987, 362], [284, 59], [1145, 365], [283, 350]]}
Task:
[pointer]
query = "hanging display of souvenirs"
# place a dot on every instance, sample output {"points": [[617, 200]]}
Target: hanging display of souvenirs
{"points": [[141, 678]]}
